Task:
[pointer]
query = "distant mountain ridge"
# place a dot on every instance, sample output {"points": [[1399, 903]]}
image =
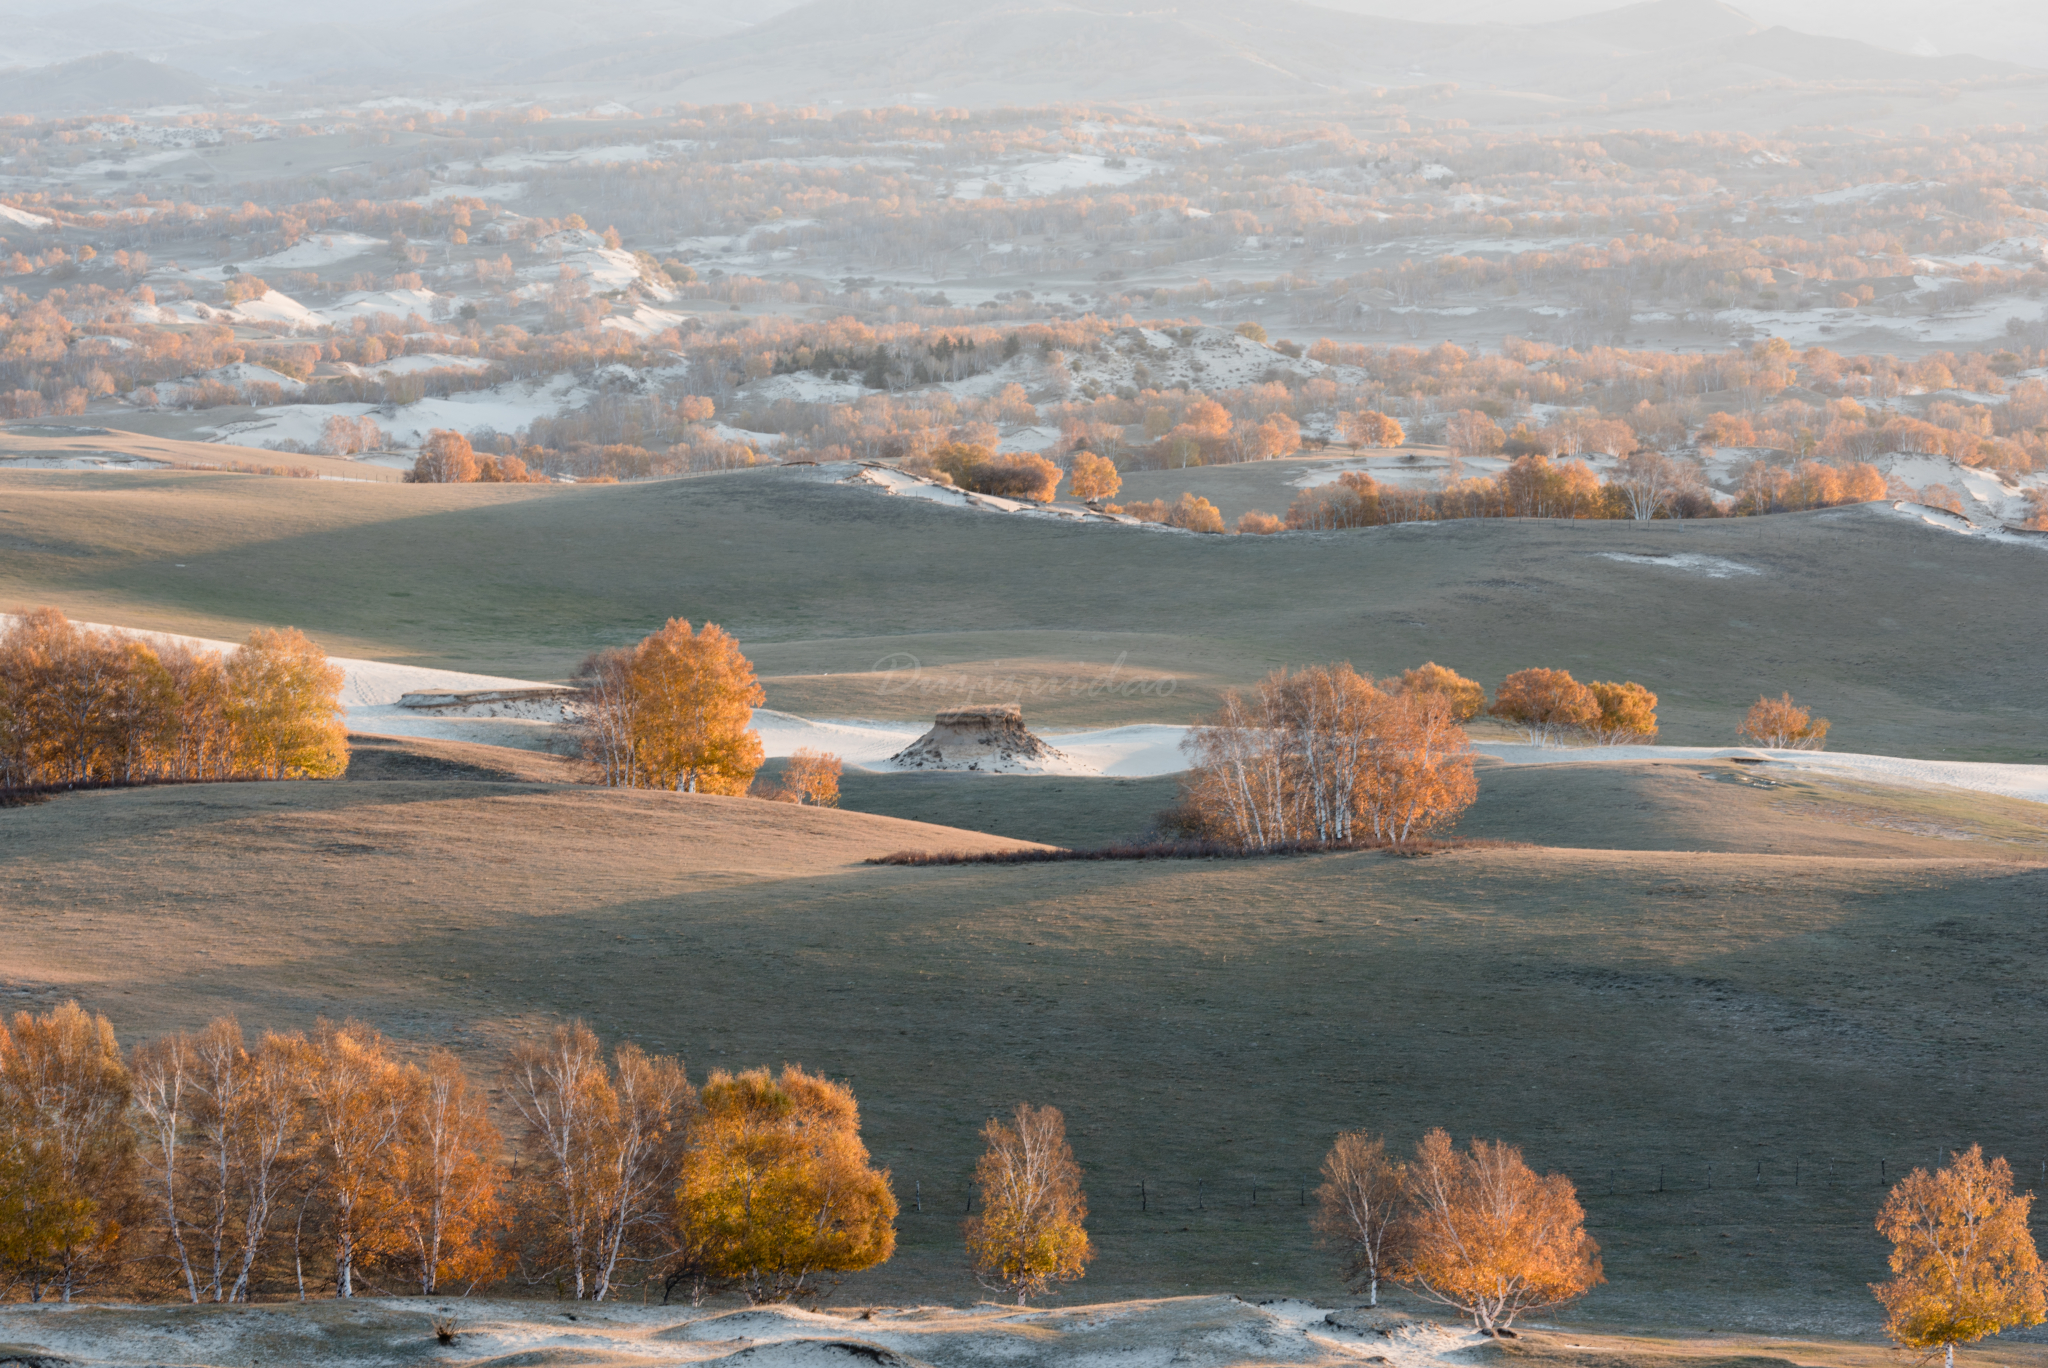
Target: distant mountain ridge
{"points": [[107, 80], [1652, 63], [977, 52]]}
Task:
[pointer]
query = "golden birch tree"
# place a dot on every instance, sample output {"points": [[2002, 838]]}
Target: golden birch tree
{"points": [[1466, 697], [1546, 704], [694, 696], [1361, 1208], [1780, 724], [447, 1184], [777, 1187], [1491, 1239], [1093, 477], [1963, 1260], [285, 708], [1031, 1229], [355, 1115], [1628, 714], [68, 1191], [1323, 755], [224, 1148], [812, 779], [602, 1149]]}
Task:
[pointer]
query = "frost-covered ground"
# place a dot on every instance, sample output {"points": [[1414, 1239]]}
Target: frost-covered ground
{"points": [[1178, 1332]]}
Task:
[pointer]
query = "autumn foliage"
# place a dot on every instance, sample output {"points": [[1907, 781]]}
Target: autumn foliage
{"points": [[1362, 1209], [1369, 428], [67, 1156], [601, 1147], [1628, 714], [673, 712], [811, 778], [1487, 1236], [210, 1168], [1780, 724], [1466, 698], [1093, 477], [1546, 704], [1326, 755], [1009, 474], [447, 457], [80, 707], [1190, 513], [777, 1188], [1963, 1259], [1030, 1231]]}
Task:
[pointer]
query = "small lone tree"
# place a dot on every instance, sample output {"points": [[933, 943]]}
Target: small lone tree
{"points": [[1964, 1260], [1361, 1208], [1490, 1238], [1780, 724], [1029, 1232], [1545, 704], [811, 779]]}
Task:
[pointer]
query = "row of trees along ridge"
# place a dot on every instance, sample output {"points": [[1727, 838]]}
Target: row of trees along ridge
{"points": [[80, 707]]}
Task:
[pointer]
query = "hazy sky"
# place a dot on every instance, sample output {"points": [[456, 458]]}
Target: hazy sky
{"points": [[2010, 30]]}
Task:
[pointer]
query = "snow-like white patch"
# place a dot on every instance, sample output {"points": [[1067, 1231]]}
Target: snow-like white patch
{"points": [[315, 250], [2012, 781], [902, 483], [1946, 521], [502, 408], [380, 303], [10, 214], [1070, 172], [496, 191], [1712, 567], [423, 361], [645, 321], [583, 156], [108, 462], [1872, 191], [1126, 752], [860, 744]]}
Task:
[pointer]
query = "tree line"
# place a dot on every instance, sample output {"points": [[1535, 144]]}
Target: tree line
{"points": [[206, 1167], [82, 707]]}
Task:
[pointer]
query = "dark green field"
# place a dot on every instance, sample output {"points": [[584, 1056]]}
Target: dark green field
{"points": [[1915, 641]]}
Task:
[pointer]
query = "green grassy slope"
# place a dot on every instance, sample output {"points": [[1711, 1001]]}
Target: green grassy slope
{"points": [[1915, 641], [1790, 1020]]}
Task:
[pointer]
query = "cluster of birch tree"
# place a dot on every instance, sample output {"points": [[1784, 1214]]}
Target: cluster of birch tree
{"points": [[211, 1168], [82, 707], [1327, 756]]}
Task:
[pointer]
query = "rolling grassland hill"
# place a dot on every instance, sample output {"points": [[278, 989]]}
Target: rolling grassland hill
{"points": [[856, 604], [1791, 1010]]}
